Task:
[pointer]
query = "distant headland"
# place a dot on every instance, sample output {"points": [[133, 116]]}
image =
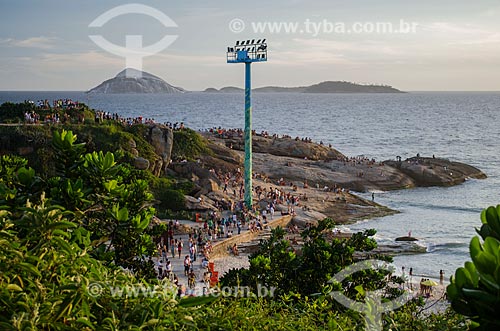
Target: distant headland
{"points": [[323, 87]]}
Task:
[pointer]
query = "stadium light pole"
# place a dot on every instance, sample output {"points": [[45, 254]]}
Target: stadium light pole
{"points": [[248, 52]]}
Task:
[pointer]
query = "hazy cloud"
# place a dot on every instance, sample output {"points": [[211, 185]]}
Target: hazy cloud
{"points": [[33, 42]]}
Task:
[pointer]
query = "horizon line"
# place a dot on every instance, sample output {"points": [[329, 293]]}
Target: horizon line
{"points": [[84, 91]]}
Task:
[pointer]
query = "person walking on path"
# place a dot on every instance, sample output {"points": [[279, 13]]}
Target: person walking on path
{"points": [[179, 247], [187, 265], [173, 246]]}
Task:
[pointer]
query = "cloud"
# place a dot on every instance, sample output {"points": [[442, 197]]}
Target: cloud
{"points": [[452, 28], [491, 12], [492, 39], [315, 51], [32, 42]]}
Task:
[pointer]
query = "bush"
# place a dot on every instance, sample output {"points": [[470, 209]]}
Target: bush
{"points": [[173, 200], [188, 145], [474, 291]]}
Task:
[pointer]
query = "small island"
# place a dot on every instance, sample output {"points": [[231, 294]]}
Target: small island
{"points": [[323, 87]]}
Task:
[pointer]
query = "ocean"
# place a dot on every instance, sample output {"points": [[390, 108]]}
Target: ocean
{"points": [[461, 126]]}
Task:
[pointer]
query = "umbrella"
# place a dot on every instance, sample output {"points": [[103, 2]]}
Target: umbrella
{"points": [[429, 283]]}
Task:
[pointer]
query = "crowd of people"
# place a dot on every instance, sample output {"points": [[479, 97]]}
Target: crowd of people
{"points": [[57, 111], [101, 116], [64, 110], [198, 246], [225, 133], [56, 104]]}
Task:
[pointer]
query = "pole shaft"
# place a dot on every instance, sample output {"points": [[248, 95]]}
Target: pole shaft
{"points": [[248, 137]]}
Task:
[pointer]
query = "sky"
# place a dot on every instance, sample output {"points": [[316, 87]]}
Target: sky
{"points": [[446, 45]]}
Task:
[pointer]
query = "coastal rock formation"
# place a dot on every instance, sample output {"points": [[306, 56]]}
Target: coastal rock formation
{"points": [[162, 139], [330, 174], [430, 171], [284, 147], [135, 81], [324, 167]]}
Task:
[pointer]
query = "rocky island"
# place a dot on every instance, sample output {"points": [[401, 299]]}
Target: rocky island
{"points": [[323, 87], [135, 81]]}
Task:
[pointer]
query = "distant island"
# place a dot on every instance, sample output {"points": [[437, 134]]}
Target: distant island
{"points": [[135, 81], [323, 87]]}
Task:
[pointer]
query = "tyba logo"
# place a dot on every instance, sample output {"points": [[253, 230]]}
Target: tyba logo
{"points": [[134, 51]]}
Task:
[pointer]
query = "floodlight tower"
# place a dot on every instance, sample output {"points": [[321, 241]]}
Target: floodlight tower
{"points": [[247, 52]]}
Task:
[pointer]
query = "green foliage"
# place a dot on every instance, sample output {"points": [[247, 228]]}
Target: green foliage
{"points": [[49, 281], [277, 265], [188, 145], [106, 198], [114, 136], [252, 313], [47, 276], [67, 152], [474, 291], [172, 200], [14, 112], [169, 193]]}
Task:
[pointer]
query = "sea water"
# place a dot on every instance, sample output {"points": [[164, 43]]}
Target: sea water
{"points": [[461, 126]]}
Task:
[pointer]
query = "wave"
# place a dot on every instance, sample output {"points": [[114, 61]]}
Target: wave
{"points": [[440, 207], [434, 247]]}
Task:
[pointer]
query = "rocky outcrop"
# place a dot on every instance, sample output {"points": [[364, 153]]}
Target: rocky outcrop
{"points": [[426, 171], [281, 147], [135, 81], [133, 148], [406, 238], [329, 174], [162, 139], [324, 167], [205, 181], [141, 163]]}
